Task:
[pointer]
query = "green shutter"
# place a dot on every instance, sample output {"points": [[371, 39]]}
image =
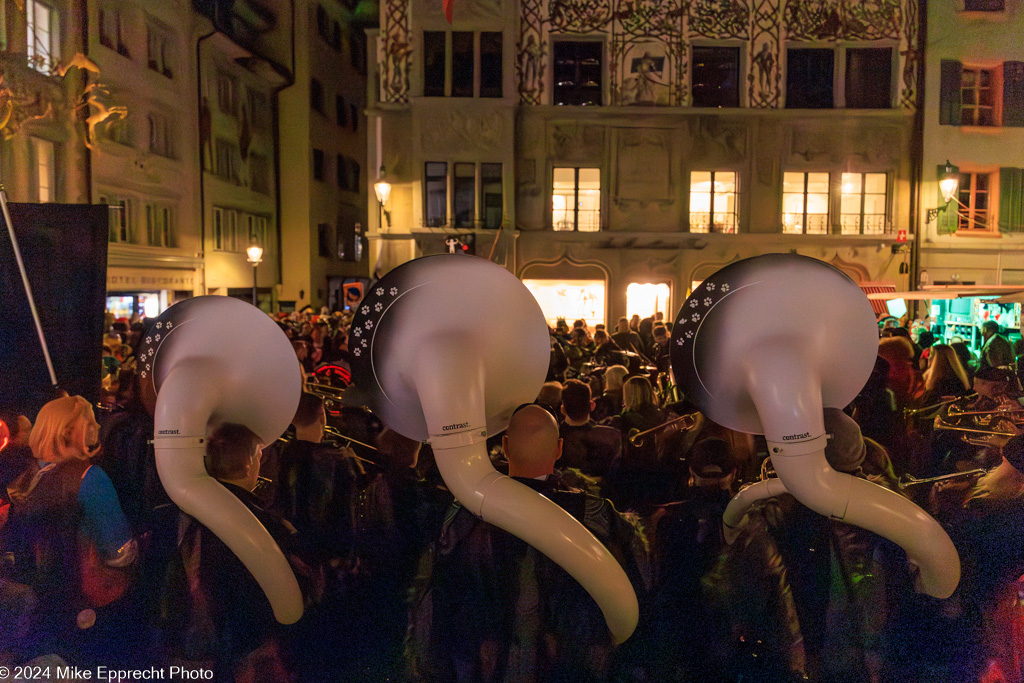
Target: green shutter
{"points": [[949, 92], [946, 221], [1011, 200], [1013, 94]]}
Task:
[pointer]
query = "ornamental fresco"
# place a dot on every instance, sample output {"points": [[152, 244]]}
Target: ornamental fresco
{"points": [[394, 52], [648, 41]]}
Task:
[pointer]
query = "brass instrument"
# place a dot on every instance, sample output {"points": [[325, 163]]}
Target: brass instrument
{"points": [[914, 412], [687, 422], [995, 412], [325, 391], [332, 437], [942, 426], [909, 480]]}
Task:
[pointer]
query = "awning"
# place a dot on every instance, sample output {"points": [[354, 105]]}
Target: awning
{"points": [[1013, 298], [1003, 295], [878, 294]]}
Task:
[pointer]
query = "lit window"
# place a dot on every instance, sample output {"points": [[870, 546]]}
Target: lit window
{"points": [[45, 159], [713, 201], [646, 299], [576, 199], [973, 202], [569, 300], [862, 209], [977, 97], [43, 39], [805, 203]]}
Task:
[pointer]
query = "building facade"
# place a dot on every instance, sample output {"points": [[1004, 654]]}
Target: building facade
{"points": [[974, 118], [245, 57], [642, 146], [144, 151], [323, 167], [43, 157]]}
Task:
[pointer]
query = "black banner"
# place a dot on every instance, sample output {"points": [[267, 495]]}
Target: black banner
{"points": [[64, 247]]}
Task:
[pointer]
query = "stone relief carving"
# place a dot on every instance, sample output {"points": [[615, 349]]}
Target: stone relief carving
{"points": [[644, 167], [714, 139], [812, 145], [454, 130], [572, 142]]}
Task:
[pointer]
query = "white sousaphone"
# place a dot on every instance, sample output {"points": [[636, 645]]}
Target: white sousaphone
{"points": [[211, 360], [446, 347], [762, 346]]}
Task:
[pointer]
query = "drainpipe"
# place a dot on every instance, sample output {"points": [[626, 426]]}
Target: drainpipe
{"points": [[917, 152], [202, 170]]}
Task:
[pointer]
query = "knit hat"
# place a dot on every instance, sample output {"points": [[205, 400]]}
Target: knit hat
{"points": [[845, 450], [711, 459]]}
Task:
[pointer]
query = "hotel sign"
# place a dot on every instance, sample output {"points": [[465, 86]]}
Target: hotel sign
{"points": [[130, 279]]}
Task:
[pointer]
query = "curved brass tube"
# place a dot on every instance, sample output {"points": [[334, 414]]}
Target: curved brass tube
{"points": [[688, 420], [914, 412], [909, 481]]}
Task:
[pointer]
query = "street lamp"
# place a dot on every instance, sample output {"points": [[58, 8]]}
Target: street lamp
{"points": [[382, 188], [949, 180], [254, 256]]}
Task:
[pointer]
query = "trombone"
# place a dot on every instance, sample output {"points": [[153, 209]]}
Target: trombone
{"points": [[943, 426], [334, 438], [681, 423], [914, 412], [909, 480]]}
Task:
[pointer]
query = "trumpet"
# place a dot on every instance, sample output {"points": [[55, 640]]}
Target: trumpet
{"points": [[909, 481], [914, 412], [681, 423], [325, 391], [992, 413]]}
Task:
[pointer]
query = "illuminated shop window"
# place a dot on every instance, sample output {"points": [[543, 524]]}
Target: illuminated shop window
{"points": [[713, 201], [570, 299], [645, 299], [576, 199], [805, 203], [862, 208]]}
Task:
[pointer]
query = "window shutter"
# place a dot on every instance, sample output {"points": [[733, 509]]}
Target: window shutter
{"points": [[949, 92], [1011, 200], [1013, 94], [947, 218]]}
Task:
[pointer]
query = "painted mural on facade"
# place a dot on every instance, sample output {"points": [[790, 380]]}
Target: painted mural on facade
{"points": [[649, 41]]}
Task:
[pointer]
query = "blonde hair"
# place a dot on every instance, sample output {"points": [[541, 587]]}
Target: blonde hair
{"points": [[636, 393], [943, 362], [50, 440], [614, 376]]}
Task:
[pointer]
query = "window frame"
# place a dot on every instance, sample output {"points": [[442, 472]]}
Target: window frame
{"points": [[44, 150], [840, 66], [712, 224], [967, 213], [601, 65], [863, 194], [488, 180], [439, 78], [45, 61], [739, 51], [119, 230], [995, 87], [430, 221], [576, 199], [805, 193]]}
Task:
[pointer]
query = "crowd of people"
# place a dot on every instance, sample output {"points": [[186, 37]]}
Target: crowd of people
{"points": [[402, 583]]}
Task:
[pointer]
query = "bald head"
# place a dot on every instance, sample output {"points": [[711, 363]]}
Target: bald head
{"points": [[531, 443]]}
